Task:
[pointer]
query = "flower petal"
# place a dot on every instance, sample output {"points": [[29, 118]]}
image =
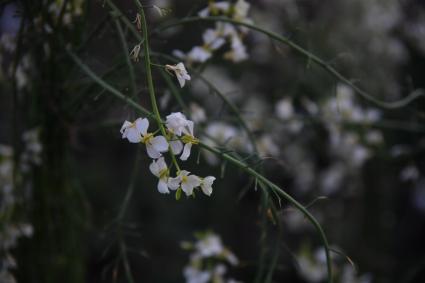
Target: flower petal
{"points": [[206, 185], [162, 165], [176, 146], [160, 143], [181, 80], [124, 127], [188, 130], [174, 183], [193, 180], [152, 152], [142, 125], [187, 188], [133, 135], [163, 187], [186, 152], [154, 168]]}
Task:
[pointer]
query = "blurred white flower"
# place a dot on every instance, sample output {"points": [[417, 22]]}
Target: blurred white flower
{"points": [[241, 9], [266, 146], [32, 150], [213, 39], [194, 275], [210, 245], [159, 169], [374, 137], [213, 8], [238, 52], [409, 173], [349, 275], [331, 179], [284, 109], [312, 268], [197, 113], [198, 54], [180, 72]]}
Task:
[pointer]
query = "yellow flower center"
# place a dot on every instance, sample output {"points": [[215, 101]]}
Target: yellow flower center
{"points": [[147, 138], [190, 139], [163, 173]]}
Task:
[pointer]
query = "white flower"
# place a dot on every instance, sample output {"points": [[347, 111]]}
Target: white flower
{"points": [[241, 10], [213, 39], [180, 71], [206, 185], [159, 169], [131, 131], [194, 275], [210, 246], [409, 173], [176, 122], [284, 109], [185, 181], [198, 54], [188, 139], [238, 52], [312, 269], [230, 257], [138, 132], [266, 146], [213, 8]]}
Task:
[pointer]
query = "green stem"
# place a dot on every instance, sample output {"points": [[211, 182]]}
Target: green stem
{"points": [[127, 58], [310, 56], [107, 86], [151, 88]]}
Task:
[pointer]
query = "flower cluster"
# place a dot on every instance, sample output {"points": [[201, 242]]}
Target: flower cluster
{"points": [[179, 140], [208, 258], [214, 39]]}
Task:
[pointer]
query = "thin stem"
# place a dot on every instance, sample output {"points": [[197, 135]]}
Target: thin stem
{"points": [[310, 56], [127, 57], [107, 86], [151, 88]]}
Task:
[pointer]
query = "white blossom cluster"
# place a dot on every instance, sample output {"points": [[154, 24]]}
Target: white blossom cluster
{"points": [[207, 260], [179, 140], [222, 34]]}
